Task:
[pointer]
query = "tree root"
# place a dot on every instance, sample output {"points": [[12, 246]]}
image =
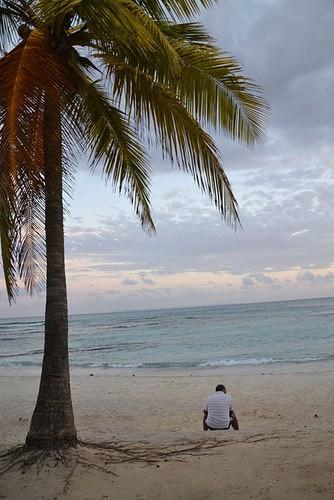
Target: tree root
{"points": [[112, 453], [23, 458], [148, 453]]}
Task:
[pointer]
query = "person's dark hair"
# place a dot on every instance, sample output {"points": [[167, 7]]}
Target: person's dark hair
{"points": [[220, 387]]}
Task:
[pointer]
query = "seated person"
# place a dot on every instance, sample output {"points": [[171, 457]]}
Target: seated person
{"points": [[218, 413]]}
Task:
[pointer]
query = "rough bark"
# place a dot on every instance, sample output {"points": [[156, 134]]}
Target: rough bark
{"points": [[52, 424]]}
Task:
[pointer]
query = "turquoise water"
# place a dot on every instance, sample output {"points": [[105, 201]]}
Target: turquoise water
{"points": [[246, 334]]}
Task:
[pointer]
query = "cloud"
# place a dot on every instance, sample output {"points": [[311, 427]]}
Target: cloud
{"points": [[248, 281], [298, 233], [253, 279], [147, 281], [129, 282], [316, 279], [287, 48], [194, 237]]}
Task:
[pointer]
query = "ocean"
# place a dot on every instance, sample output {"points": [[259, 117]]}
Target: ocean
{"points": [[296, 331]]}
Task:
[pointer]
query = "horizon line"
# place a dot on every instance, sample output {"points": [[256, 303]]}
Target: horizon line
{"points": [[171, 308]]}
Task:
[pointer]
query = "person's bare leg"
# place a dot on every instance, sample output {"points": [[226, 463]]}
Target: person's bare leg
{"points": [[234, 421]]}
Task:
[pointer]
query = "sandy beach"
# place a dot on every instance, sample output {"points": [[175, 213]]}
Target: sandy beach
{"points": [[157, 449]]}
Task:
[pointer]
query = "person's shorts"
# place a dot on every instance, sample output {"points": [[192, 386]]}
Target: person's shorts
{"points": [[220, 429]]}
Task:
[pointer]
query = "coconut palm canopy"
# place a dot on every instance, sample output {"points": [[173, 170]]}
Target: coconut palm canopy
{"points": [[117, 72]]}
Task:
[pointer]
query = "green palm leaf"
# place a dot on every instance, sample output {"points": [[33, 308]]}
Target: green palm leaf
{"points": [[211, 84], [214, 91], [158, 10], [158, 110], [112, 142], [116, 23]]}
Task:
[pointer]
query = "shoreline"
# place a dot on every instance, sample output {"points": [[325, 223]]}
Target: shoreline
{"points": [[242, 369]]}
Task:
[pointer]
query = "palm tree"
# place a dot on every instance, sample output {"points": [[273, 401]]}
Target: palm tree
{"points": [[107, 77]]}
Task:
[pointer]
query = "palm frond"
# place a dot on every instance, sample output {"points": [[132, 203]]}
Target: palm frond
{"points": [[117, 23], [27, 75], [174, 9], [8, 235], [211, 84], [9, 22], [31, 244], [192, 32], [157, 9], [14, 14], [114, 143], [156, 108], [31, 203], [215, 91]]}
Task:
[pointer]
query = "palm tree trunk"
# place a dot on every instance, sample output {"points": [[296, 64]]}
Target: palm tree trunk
{"points": [[52, 423]]}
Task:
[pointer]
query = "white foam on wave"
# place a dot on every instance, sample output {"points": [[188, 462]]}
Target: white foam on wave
{"points": [[256, 361], [305, 360], [235, 362], [129, 365], [107, 365]]}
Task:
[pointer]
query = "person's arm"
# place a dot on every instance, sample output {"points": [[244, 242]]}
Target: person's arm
{"points": [[205, 411]]}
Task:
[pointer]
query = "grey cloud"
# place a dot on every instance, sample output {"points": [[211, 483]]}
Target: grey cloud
{"points": [[286, 46], [252, 279], [316, 279], [129, 282], [78, 219], [147, 281], [263, 278], [248, 281]]}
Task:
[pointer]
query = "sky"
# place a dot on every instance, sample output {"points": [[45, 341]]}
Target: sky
{"points": [[284, 188]]}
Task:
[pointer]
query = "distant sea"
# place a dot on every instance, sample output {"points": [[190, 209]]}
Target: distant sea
{"points": [[297, 331]]}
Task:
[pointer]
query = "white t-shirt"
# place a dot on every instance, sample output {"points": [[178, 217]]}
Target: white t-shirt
{"points": [[218, 407]]}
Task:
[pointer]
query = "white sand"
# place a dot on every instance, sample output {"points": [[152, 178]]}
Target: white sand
{"points": [[285, 448]]}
